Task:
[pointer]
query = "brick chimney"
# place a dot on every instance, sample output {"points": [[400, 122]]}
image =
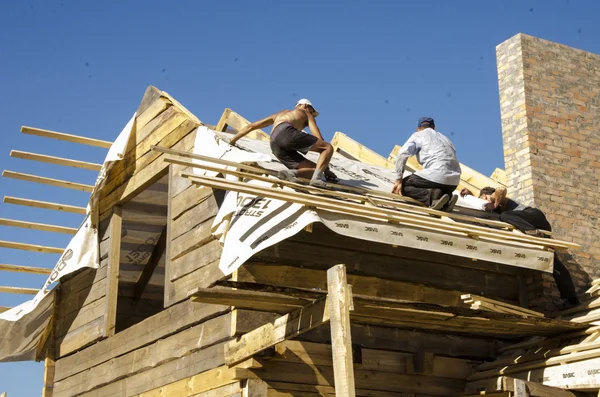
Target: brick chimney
{"points": [[550, 108]]}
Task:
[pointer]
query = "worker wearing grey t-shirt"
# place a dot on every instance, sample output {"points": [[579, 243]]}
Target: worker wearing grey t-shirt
{"points": [[435, 183]]}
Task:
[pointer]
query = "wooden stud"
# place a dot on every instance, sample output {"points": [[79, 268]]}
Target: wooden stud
{"points": [[45, 205], [114, 260], [149, 268], [283, 328], [37, 226], [222, 124], [19, 290], [47, 181], [55, 160], [25, 269], [341, 340], [31, 247], [66, 137]]}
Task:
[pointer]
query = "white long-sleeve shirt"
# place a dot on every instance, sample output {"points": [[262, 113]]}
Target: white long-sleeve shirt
{"points": [[435, 153]]}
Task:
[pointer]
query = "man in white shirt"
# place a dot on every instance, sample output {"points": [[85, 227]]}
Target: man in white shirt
{"points": [[435, 183]]}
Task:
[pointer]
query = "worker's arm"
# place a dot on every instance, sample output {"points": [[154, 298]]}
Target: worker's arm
{"points": [[253, 126], [312, 125], [409, 149]]}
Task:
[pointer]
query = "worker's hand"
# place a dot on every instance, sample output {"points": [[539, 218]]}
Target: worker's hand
{"points": [[466, 192], [489, 207], [499, 196], [397, 188]]}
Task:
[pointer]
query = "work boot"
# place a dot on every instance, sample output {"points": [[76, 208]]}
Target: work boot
{"points": [[439, 203], [450, 205], [330, 176], [535, 233], [318, 183], [289, 175]]}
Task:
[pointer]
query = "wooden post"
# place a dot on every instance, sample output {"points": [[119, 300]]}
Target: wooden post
{"points": [[255, 388], [114, 260], [3, 394], [341, 341]]}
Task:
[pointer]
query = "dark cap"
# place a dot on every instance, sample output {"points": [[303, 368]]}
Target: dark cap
{"points": [[425, 120]]}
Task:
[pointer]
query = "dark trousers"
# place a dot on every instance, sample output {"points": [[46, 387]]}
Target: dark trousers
{"points": [[420, 189], [533, 218]]}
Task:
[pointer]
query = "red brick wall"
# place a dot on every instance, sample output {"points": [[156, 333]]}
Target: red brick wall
{"points": [[550, 107]]}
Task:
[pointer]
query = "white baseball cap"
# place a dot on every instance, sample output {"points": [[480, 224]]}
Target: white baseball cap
{"points": [[305, 101]]}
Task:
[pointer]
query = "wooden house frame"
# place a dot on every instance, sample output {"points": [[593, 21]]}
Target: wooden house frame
{"points": [[158, 317]]}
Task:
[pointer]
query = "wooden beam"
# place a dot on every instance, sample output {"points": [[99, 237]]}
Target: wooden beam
{"points": [[283, 328], [114, 260], [45, 205], [25, 269], [340, 301], [149, 268], [375, 212], [55, 160], [66, 137], [31, 247], [47, 181], [19, 290], [37, 226]]}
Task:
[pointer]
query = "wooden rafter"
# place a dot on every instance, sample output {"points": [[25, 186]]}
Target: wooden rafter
{"points": [[66, 137], [149, 268], [31, 247], [47, 181], [45, 205], [37, 226], [25, 269], [18, 290], [55, 160]]}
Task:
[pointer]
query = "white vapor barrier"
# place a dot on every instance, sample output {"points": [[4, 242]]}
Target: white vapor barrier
{"points": [[22, 326], [247, 224]]}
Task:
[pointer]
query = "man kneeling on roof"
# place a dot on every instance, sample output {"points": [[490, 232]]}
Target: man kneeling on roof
{"points": [[434, 184], [532, 222], [287, 139]]}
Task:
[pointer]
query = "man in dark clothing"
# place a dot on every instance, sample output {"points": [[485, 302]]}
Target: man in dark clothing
{"points": [[533, 222]]}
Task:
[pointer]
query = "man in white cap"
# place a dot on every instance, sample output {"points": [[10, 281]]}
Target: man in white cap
{"points": [[287, 139]]}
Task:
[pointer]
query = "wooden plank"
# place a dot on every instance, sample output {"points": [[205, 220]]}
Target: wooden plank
{"points": [[31, 247], [78, 299], [55, 160], [195, 259], [148, 169], [213, 379], [18, 290], [207, 336], [371, 212], [285, 327], [262, 301], [47, 181], [25, 269], [37, 226], [149, 268], [169, 321], [48, 387], [79, 338], [114, 261], [156, 107], [66, 137], [150, 96], [85, 315], [203, 277], [512, 308], [520, 389], [340, 298], [45, 205], [320, 354]]}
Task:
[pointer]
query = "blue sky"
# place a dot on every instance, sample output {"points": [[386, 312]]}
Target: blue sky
{"points": [[370, 67]]}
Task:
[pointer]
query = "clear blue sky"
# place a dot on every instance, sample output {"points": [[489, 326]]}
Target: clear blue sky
{"points": [[371, 68]]}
